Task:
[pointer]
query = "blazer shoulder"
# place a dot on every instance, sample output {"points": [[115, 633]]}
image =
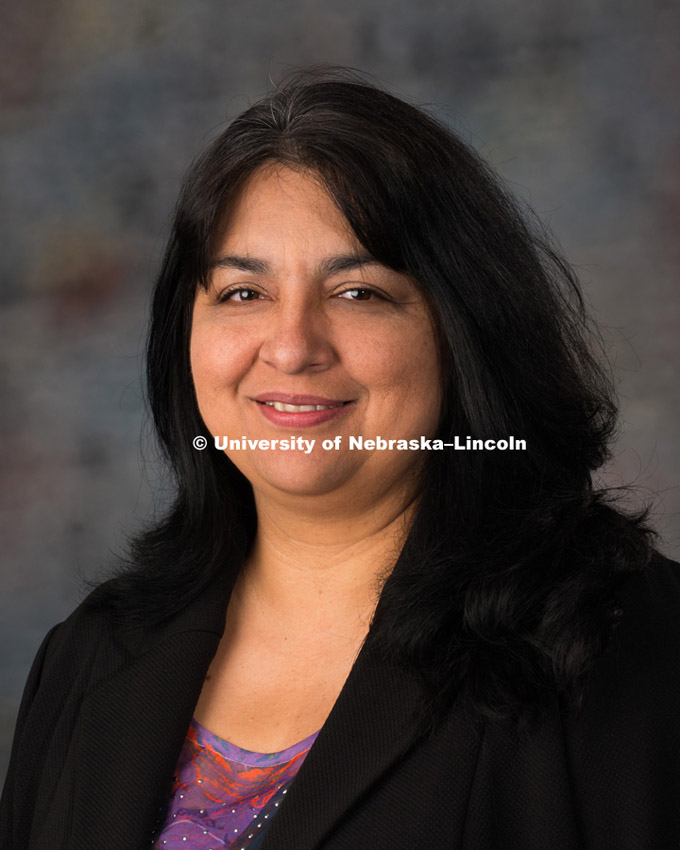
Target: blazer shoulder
{"points": [[85, 620], [650, 602], [623, 743], [74, 648], [74, 655], [638, 675]]}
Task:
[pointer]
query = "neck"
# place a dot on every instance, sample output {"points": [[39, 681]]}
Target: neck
{"points": [[311, 568]]}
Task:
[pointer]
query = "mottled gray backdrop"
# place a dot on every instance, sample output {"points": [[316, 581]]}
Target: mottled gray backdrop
{"points": [[104, 102]]}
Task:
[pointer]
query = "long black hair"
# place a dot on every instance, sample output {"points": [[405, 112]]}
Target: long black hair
{"points": [[503, 592]]}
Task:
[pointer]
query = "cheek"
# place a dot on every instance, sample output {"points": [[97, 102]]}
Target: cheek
{"points": [[216, 362], [409, 360], [205, 369], [402, 373]]}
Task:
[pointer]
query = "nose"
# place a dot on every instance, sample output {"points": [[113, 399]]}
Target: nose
{"points": [[298, 340]]}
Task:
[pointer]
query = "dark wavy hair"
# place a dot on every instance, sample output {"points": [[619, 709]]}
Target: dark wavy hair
{"points": [[504, 591]]}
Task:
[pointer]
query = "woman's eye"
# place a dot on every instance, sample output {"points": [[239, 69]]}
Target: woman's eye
{"points": [[359, 294], [240, 295]]}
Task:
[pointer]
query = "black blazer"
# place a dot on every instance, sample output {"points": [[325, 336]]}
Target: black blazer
{"points": [[104, 717]]}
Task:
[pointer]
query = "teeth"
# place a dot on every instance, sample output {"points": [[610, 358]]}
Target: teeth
{"points": [[299, 408]]}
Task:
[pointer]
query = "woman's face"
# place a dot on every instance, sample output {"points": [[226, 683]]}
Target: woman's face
{"points": [[301, 334]]}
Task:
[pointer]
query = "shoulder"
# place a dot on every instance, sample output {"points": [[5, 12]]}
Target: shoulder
{"points": [[99, 637], [84, 629], [640, 664], [647, 640], [71, 656], [623, 745], [657, 583], [626, 737]]}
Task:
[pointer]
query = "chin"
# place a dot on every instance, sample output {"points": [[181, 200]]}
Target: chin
{"points": [[303, 476]]}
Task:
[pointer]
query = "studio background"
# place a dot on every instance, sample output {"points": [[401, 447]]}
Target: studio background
{"points": [[104, 103]]}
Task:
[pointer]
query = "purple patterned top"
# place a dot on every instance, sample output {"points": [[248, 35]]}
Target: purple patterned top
{"points": [[224, 797]]}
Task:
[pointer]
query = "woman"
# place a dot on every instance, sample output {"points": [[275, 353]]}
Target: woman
{"points": [[327, 643]]}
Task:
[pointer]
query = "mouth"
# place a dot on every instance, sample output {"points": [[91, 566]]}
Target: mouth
{"points": [[285, 402], [285, 409], [301, 408]]}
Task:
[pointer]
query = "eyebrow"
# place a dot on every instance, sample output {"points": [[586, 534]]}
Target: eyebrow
{"points": [[329, 266]]}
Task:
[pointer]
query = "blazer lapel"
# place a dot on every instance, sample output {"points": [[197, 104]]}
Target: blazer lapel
{"points": [[372, 724]]}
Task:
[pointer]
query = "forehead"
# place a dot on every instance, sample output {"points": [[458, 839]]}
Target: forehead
{"points": [[278, 204]]}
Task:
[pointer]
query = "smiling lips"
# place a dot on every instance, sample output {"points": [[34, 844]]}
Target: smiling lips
{"points": [[299, 410]]}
